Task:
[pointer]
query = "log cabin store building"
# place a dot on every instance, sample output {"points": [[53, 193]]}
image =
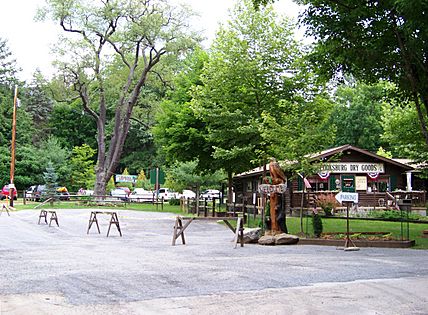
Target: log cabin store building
{"points": [[379, 181]]}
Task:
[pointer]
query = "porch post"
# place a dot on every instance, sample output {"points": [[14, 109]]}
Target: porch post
{"points": [[409, 181]]}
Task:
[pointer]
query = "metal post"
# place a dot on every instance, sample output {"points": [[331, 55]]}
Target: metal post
{"points": [[401, 223], [348, 239], [157, 184]]}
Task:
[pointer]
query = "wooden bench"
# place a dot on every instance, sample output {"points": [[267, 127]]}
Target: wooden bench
{"points": [[113, 220], [238, 231], [44, 214]]}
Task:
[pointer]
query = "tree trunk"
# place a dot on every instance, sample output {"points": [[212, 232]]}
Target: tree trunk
{"points": [[100, 184], [108, 161]]}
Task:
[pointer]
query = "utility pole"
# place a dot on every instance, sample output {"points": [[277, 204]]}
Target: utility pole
{"points": [[12, 152]]}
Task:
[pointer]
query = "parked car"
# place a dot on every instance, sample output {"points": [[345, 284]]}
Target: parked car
{"points": [[29, 193], [63, 192], [39, 192], [186, 194], [119, 192], [167, 194], [126, 189], [210, 194], [5, 193], [85, 192], [141, 195]]}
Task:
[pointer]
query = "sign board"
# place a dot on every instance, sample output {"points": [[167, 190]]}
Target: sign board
{"points": [[355, 168], [347, 197], [125, 178], [160, 175], [361, 183], [266, 188]]}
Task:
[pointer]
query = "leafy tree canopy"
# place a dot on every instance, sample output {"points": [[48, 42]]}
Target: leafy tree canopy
{"points": [[250, 69], [8, 66], [373, 40], [185, 175], [358, 114], [178, 132], [130, 37]]}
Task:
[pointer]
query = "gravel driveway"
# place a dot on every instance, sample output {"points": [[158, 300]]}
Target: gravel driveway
{"points": [[63, 270]]}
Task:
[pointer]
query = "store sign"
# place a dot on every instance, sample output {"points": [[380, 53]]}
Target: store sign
{"points": [[126, 178], [352, 168]]}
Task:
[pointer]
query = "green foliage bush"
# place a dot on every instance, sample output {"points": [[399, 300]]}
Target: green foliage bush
{"points": [[395, 215], [317, 224], [174, 202]]}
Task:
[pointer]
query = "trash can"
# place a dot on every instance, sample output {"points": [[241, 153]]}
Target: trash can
{"points": [[405, 204]]}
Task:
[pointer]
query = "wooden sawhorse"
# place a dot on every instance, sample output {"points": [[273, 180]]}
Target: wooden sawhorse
{"points": [[238, 231], [113, 220], [44, 214], [5, 208]]}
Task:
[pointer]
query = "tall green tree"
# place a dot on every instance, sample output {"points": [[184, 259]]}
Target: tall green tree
{"points": [[69, 124], [8, 66], [403, 136], [133, 34], [179, 134], [82, 167], [253, 64], [50, 177], [374, 40], [186, 175], [39, 105], [358, 114], [8, 71], [302, 128], [52, 151]]}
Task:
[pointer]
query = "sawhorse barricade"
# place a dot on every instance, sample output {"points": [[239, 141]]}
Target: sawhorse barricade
{"points": [[44, 214], [113, 220], [5, 208], [238, 231]]}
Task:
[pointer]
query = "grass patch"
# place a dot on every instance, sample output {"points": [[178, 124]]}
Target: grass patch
{"points": [[339, 225]]}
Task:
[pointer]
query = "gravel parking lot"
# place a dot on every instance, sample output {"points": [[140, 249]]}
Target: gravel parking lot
{"points": [[63, 270]]}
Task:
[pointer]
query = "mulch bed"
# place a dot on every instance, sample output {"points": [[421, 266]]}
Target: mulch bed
{"points": [[358, 242]]}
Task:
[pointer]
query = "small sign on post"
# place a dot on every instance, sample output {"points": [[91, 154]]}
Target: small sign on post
{"points": [[266, 188], [347, 197]]}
